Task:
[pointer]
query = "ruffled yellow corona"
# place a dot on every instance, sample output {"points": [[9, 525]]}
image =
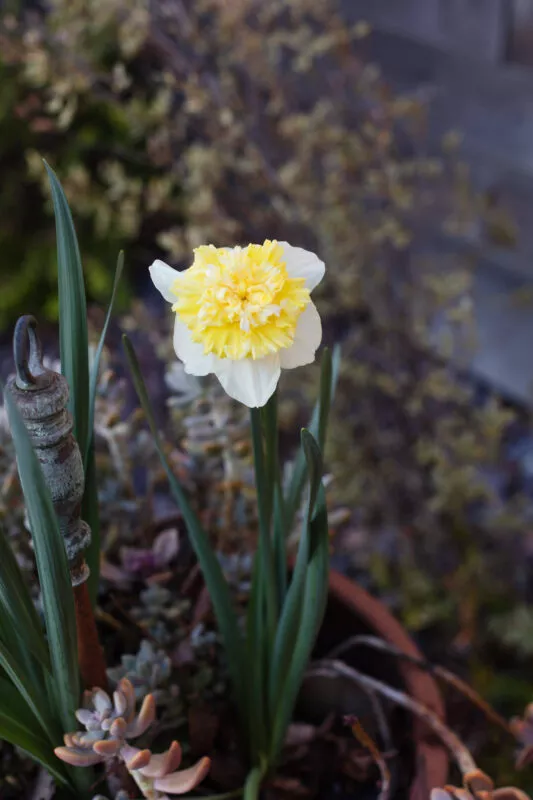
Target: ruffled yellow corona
{"points": [[240, 302]]}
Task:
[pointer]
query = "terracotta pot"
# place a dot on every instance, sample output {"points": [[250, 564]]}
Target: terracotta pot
{"points": [[350, 610]]}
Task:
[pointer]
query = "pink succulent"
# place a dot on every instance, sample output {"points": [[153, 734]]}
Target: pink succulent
{"points": [[108, 727]]}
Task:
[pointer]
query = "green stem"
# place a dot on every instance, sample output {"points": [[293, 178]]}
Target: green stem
{"points": [[253, 783], [262, 617], [265, 492]]}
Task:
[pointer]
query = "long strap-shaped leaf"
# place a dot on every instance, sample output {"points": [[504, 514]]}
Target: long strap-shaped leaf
{"points": [[95, 367], [89, 509], [211, 570], [292, 609], [73, 339], [16, 606], [329, 373], [312, 612], [18, 726], [27, 690], [74, 353], [52, 567]]}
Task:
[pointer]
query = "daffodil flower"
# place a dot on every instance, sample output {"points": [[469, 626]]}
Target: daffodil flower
{"points": [[244, 313]]}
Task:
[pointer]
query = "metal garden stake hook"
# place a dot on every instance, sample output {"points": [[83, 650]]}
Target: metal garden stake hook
{"points": [[41, 396], [28, 354]]}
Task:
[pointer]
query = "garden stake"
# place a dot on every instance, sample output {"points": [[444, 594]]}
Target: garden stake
{"points": [[41, 396]]}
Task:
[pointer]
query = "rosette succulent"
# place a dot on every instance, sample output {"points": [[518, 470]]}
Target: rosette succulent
{"points": [[109, 725]]}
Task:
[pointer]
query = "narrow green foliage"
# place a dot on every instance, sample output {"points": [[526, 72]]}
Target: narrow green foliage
{"points": [[253, 783], [313, 461], [257, 663], [93, 379], [52, 567], [329, 373], [73, 339], [290, 617], [265, 482], [312, 611], [30, 690], [74, 353], [16, 607], [90, 511], [279, 527], [91, 515], [18, 726], [212, 572]]}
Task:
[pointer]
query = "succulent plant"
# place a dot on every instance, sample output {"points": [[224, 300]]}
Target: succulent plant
{"points": [[109, 725], [146, 670]]}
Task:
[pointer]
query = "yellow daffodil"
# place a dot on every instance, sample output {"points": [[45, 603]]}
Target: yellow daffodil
{"points": [[244, 313]]}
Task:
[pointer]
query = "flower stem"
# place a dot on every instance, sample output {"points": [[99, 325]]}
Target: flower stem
{"points": [[265, 494], [253, 783]]}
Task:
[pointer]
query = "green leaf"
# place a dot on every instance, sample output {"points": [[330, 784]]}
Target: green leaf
{"points": [[329, 373], [252, 786], [52, 567], [19, 727], [256, 644], [91, 515], [315, 468], [90, 510], [16, 605], [30, 691], [73, 339], [292, 608], [311, 616], [211, 570], [93, 380]]}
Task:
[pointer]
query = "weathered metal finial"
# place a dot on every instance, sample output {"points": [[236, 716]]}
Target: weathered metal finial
{"points": [[28, 355], [41, 396]]}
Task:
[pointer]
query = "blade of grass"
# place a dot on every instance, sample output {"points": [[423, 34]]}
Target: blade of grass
{"points": [[280, 541], [211, 570], [16, 605], [93, 378], [73, 339], [252, 785], [313, 606], [90, 514], [90, 511], [30, 692], [292, 609], [52, 567], [19, 727], [329, 373], [256, 665]]}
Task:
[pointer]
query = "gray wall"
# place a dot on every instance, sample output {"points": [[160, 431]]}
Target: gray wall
{"points": [[490, 30]]}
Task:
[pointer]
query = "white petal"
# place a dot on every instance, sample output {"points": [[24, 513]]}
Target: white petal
{"points": [[163, 278], [303, 264], [195, 361], [307, 340], [251, 382]]}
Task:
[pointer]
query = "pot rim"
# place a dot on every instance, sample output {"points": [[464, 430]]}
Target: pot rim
{"points": [[432, 759]]}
